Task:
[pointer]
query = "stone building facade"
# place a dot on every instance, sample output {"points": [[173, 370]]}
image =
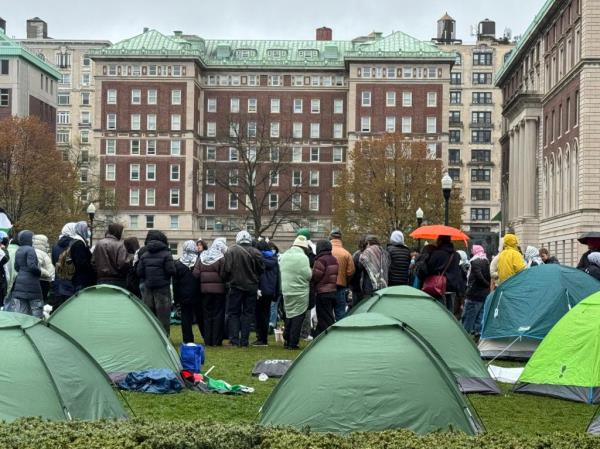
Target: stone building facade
{"points": [[551, 164]]}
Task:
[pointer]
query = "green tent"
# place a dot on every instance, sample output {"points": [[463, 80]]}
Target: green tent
{"points": [[441, 330], [45, 373], [567, 363], [117, 329], [523, 309], [369, 372]]}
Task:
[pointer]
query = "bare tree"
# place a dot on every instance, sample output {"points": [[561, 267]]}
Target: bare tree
{"points": [[261, 160]]}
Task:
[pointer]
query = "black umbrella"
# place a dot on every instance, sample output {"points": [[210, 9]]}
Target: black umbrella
{"points": [[588, 235]]}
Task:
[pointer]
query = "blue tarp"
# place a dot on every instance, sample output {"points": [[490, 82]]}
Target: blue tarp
{"points": [[158, 381]]}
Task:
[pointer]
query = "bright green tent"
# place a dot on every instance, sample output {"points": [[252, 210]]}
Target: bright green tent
{"points": [[45, 373], [567, 363], [117, 329], [369, 372], [441, 330]]}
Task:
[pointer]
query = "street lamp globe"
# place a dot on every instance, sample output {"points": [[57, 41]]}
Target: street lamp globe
{"points": [[91, 209], [420, 214], [446, 182]]}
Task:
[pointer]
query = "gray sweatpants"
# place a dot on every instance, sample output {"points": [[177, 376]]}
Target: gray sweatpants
{"points": [[33, 307], [158, 300]]}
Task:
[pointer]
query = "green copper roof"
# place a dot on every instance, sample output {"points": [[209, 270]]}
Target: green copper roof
{"points": [[518, 50], [274, 53], [10, 48]]}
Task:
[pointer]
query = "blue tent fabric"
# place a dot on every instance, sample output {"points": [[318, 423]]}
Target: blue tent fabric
{"points": [[157, 381], [530, 303]]}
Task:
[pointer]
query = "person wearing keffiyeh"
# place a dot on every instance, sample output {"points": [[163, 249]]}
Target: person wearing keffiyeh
{"points": [[478, 287], [376, 263]]}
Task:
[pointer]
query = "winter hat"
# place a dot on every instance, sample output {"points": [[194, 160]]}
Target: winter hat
{"points": [[116, 230], [305, 232], [478, 250], [397, 238], [243, 237], [594, 258], [336, 234], [301, 242]]}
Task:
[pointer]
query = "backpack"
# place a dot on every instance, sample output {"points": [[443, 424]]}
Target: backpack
{"points": [[65, 268]]}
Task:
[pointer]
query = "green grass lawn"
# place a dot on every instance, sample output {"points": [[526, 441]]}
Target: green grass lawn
{"points": [[515, 413]]}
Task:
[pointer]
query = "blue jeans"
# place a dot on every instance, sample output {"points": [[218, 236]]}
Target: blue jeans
{"points": [[274, 314], [340, 303], [472, 314]]}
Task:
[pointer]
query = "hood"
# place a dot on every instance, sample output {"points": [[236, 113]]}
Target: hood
{"points": [[190, 253], [594, 258], [40, 242], [397, 238], [511, 241], [116, 230], [25, 238], [156, 235], [243, 237], [154, 246], [531, 253], [323, 246]]}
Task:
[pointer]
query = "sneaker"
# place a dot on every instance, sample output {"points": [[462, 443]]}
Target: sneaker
{"points": [[309, 338], [259, 343]]}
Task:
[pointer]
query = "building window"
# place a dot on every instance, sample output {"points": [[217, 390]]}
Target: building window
{"points": [[174, 197], [211, 105], [315, 130], [454, 118], [365, 124], [275, 105], [296, 154], [252, 129], [481, 136], [111, 121], [86, 117], [149, 221], [338, 106], [274, 154], [315, 154], [297, 130], [338, 154], [456, 78], [134, 172], [297, 105], [406, 125], [431, 125], [455, 97], [296, 178], [135, 122], [482, 78], [211, 153], [482, 98], [151, 122], [338, 130], [4, 63], [134, 222], [234, 105], [480, 194], [150, 197], [175, 122], [211, 177], [454, 173], [234, 178], [63, 99], [84, 137], [252, 108], [481, 155], [366, 98], [234, 129], [111, 96], [63, 117], [273, 201], [174, 172], [211, 129], [209, 200], [453, 156], [390, 99], [480, 175], [134, 197], [176, 96], [296, 201], [480, 214], [314, 178], [431, 99], [233, 154], [315, 80], [315, 106], [274, 130], [63, 136], [110, 172], [233, 201], [313, 202], [136, 96], [134, 147], [335, 178], [481, 117], [85, 98], [150, 172], [175, 147], [454, 136], [274, 177], [65, 80], [390, 124], [275, 80], [482, 58], [174, 222], [407, 99], [63, 61], [110, 148]]}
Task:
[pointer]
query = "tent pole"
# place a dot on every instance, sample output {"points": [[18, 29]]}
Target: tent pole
{"points": [[504, 350]]}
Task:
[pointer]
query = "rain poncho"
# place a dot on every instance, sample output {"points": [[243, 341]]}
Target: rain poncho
{"points": [[510, 261], [295, 281]]}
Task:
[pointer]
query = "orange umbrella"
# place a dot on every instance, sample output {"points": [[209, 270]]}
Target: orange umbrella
{"points": [[432, 232]]}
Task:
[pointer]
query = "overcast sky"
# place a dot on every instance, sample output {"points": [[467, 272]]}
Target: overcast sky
{"points": [[262, 19]]}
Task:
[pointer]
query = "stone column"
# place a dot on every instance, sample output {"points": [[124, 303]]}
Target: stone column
{"points": [[517, 171], [523, 174], [511, 176], [529, 182]]}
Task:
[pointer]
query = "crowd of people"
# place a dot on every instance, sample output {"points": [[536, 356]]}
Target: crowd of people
{"points": [[228, 291]]}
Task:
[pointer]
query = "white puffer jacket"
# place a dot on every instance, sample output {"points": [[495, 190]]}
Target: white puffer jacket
{"points": [[40, 244]]}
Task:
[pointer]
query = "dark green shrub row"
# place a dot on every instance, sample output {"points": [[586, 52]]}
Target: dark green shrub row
{"points": [[31, 433]]}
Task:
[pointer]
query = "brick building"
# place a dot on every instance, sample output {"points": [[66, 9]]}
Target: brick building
{"points": [[175, 111], [551, 164], [28, 84], [75, 93]]}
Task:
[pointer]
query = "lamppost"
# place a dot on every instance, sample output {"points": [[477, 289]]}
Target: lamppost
{"points": [[447, 189], [91, 211], [419, 223]]}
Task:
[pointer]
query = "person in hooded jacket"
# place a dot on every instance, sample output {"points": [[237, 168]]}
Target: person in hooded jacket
{"points": [[269, 290], [243, 268], [593, 268], [41, 246], [186, 291], [375, 264], [26, 294], [442, 256], [478, 288], [73, 238], [510, 260], [399, 260], [111, 259], [4, 266], [324, 283], [155, 269], [209, 270], [132, 246]]}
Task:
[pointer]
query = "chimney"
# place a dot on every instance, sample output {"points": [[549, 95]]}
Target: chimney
{"points": [[37, 29], [3, 25], [324, 34]]}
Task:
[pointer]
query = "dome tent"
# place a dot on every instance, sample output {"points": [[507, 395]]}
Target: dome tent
{"points": [[117, 329], [565, 365], [523, 309], [369, 372], [441, 330], [45, 373]]}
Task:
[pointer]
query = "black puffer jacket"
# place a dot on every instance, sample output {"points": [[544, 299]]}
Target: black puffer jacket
{"points": [[27, 283], [156, 266], [437, 262], [478, 284], [399, 264]]}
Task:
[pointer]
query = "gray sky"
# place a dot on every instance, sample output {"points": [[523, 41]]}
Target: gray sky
{"points": [[262, 19]]}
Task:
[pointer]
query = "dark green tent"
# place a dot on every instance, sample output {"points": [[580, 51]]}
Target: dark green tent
{"points": [[441, 330], [117, 329], [44, 373], [369, 372]]}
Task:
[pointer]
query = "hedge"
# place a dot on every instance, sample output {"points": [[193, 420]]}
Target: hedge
{"points": [[32, 433]]}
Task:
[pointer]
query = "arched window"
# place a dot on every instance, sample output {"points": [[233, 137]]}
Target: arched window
{"points": [[575, 176], [551, 187]]}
